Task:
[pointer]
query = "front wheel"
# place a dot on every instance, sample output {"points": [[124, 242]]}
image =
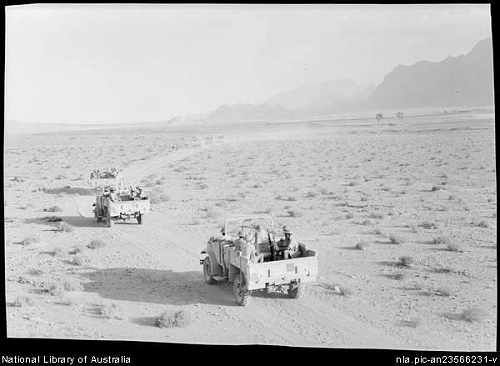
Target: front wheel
{"points": [[241, 295], [207, 271], [295, 290]]}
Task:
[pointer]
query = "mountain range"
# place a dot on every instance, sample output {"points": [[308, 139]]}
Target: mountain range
{"points": [[464, 80]]}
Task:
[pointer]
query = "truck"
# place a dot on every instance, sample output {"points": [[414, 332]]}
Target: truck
{"points": [[222, 261], [121, 204]]}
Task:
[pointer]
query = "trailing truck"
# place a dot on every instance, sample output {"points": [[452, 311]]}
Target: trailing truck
{"points": [[222, 261]]}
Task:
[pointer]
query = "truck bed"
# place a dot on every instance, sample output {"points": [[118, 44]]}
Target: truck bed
{"points": [[129, 207], [258, 275]]}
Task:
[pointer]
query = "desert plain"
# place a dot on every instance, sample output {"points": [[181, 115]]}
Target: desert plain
{"points": [[401, 213]]}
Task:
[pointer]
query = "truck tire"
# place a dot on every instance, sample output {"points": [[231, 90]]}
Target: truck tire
{"points": [[295, 291], [140, 219], [109, 220], [207, 271], [241, 295]]}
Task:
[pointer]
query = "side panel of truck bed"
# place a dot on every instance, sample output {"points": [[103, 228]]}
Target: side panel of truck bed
{"points": [[303, 269]]}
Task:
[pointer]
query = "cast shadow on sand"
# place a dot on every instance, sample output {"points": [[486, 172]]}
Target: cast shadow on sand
{"points": [[71, 190], [77, 221], [157, 286]]}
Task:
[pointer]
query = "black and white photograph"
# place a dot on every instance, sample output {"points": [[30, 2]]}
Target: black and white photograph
{"points": [[310, 176]]}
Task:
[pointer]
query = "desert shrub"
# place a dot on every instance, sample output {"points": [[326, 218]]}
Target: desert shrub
{"points": [[64, 227], [395, 239], [75, 250], [111, 311], [295, 213], [362, 245], [55, 288], [35, 272], [52, 209], [473, 315], [397, 276], [353, 183], [481, 223], [349, 216], [440, 240], [311, 194], [96, 244], [57, 251], [286, 198], [405, 261], [435, 188], [443, 291], [344, 291], [53, 219], [413, 228], [167, 319], [376, 232], [376, 215], [442, 270], [412, 322], [23, 300], [76, 261], [452, 247], [428, 225], [30, 240]]}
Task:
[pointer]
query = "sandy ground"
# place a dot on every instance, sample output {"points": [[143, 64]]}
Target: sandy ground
{"points": [[429, 184]]}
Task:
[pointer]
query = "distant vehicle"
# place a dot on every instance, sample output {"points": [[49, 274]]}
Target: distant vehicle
{"points": [[108, 178], [222, 261], [121, 204]]}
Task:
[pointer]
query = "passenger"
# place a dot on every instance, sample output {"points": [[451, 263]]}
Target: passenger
{"points": [[249, 252], [260, 235], [293, 250], [113, 195], [238, 242]]}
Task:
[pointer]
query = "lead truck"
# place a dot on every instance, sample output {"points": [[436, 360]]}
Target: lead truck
{"points": [[223, 262], [116, 202]]}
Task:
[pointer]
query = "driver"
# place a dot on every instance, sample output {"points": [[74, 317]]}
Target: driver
{"points": [[248, 250], [261, 235]]}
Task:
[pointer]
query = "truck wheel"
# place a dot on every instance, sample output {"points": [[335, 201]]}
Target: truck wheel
{"points": [[96, 215], [140, 219], [295, 290], [109, 221], [207, 271], [241, 295]]}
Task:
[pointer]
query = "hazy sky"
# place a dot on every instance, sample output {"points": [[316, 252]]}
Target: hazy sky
{"points": [[125, 63]]}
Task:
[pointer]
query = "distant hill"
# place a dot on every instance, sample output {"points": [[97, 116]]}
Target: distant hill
{"points": [[316, 94], [465, 80], [245, 112]]}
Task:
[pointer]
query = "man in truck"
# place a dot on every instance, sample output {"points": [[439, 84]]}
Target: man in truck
{"points": [[292, 245]]}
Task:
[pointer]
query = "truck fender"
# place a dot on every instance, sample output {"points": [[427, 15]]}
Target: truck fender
{"points": [[216, 268]]}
